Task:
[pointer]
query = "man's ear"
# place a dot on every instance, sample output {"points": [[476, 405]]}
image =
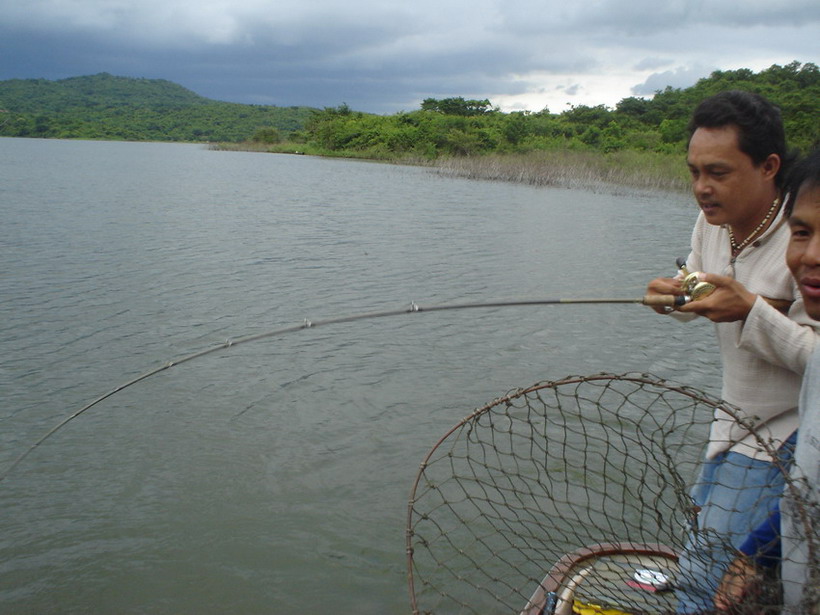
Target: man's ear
{"points": [[770, 166]]}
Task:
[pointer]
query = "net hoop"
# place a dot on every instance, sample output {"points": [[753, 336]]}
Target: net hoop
{"points": [[469, 508]]}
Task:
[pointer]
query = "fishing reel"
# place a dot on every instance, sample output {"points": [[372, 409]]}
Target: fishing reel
{"points": [[693, 288]]}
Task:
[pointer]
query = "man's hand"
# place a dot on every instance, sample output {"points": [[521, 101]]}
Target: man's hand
{"points": [[741, 581], [729, 302], [664, 286]]}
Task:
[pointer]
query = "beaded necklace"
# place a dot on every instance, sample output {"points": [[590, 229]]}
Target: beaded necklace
{"points": [[737, 247]]}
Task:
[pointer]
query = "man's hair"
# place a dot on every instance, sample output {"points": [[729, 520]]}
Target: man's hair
{"points": [[804, 175], [759, 124]]}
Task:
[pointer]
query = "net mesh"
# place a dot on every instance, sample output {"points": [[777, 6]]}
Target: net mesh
{"points": [[594, 469]]}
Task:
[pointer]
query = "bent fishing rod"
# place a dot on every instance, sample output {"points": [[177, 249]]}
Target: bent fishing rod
{"points": [[668, 301]]}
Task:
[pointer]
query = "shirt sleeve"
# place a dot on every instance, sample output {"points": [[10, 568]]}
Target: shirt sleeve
{"points": [[693, 259], [786, 341], [763, 544]]}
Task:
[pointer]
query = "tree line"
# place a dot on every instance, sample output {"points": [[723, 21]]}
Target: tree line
{"points": [[119, 108], [459, 127]]}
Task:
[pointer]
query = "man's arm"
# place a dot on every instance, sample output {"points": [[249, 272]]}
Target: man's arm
{"points": [[781, 339], [787, 341]]}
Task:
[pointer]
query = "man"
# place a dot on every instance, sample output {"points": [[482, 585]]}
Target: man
{"points": [[737, 157], [801, 504]]}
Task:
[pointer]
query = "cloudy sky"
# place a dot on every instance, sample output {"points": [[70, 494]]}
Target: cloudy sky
{"points": [[386, 56]]}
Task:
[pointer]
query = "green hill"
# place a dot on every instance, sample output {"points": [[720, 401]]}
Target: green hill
{"points": [[120, 108]]}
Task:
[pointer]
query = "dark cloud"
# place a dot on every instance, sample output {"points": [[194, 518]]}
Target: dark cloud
{"points": [[678, 78], [641, 17], [385, 57]]}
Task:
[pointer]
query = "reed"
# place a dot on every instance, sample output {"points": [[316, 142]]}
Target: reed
{"points": [[574, 169], [566, 168], [243, 146]]}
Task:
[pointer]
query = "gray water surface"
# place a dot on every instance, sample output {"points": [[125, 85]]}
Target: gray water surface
{"points": [[273, 476]]}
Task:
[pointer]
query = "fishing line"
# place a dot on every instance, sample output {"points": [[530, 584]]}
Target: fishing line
{"points": [[650, 300]]}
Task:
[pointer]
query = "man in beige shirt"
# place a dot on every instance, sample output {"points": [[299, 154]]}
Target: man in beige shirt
{"points": [[737, 156]]}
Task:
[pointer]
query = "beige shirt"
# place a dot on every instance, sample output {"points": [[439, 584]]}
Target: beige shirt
{"points": [[763, 357]]}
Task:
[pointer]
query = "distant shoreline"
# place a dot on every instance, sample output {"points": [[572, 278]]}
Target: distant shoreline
{"points": [[559, 168]]}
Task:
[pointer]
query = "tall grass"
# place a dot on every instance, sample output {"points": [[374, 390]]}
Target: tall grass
{"points": [[559, 167], [574, 169]]}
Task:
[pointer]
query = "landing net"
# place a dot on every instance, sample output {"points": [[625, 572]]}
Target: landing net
{"points": [[575, 470]]}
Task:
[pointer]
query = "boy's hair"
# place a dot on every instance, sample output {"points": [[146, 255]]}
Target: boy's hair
{"points": [[759, 123], [805, 174]]}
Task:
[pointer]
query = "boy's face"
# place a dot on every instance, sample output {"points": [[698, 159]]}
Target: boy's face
{"points": [[803, 253]]}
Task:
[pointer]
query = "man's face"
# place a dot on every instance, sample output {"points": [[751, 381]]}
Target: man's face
{"points": [[803, 253], [729, 188]]}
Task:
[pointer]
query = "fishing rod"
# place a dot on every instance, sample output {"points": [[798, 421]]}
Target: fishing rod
{"points": [[669, 301]]}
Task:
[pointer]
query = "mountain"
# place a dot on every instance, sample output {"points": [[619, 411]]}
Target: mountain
{"points": [[104, 106]]}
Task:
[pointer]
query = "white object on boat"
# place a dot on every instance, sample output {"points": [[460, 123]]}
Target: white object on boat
{"points": [[655, 578]]}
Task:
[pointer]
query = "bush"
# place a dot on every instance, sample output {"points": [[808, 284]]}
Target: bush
{"points": [[267, 135]]}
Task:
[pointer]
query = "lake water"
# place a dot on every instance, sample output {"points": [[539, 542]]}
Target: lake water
{"points": [[273, 476]]}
